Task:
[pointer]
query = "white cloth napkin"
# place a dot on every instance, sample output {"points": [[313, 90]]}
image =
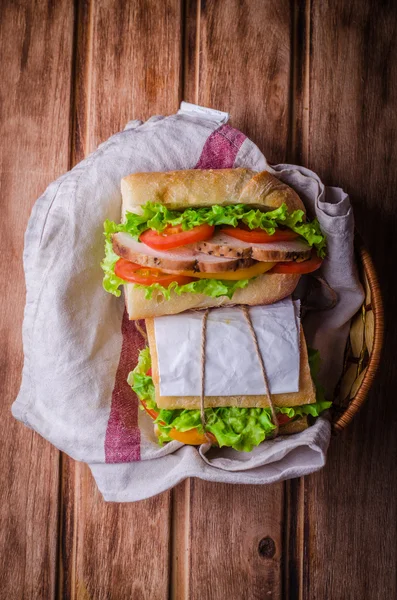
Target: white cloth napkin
{"points": [[79, 349]]}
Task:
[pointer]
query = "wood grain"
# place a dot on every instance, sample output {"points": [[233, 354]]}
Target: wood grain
{"points": [[136, 50], [118, 550], [239, 61], [233, 545], [351, 141], [35, 53]]}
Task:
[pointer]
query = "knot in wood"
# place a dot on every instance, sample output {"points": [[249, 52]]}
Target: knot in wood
{"points": [[267, 547]]}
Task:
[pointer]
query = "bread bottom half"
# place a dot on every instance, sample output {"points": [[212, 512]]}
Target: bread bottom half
{"points": [[265, 289]]}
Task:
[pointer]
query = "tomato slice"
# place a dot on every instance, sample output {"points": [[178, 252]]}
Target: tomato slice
{"points": [[283, 419], [259, 236], [149, 411], [307, 266], [134, 273], [173, 237]]}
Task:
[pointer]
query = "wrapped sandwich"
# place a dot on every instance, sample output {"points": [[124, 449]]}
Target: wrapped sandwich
{"points": [[198, 239], [239, 420]]}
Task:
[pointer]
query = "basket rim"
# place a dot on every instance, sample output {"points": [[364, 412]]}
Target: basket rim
{"points": [[376, 305]]}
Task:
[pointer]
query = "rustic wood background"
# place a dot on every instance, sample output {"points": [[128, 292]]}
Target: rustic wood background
{"points": [[313, 82]]}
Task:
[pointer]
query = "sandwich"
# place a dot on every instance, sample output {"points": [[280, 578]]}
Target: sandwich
{"points": [[241, 421], [197, 239]]}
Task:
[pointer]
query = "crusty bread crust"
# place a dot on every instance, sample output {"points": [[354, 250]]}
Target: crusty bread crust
{"points": [[265, 289], [306, 394], [195, 187]]}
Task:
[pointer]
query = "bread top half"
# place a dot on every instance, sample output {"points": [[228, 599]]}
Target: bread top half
{"points": [[195, 187]]}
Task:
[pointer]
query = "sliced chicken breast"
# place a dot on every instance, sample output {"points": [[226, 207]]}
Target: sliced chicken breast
{"points": [[225, 246], [186, 258]]}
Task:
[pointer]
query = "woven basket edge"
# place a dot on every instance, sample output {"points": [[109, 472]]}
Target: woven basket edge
{"points": [[377, 307]]}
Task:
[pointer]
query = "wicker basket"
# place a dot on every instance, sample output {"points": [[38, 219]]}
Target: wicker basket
{"points": [[363, 349]]}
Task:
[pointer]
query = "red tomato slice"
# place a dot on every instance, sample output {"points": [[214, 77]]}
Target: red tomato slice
{"points": [[307, 266], [173, 237], [134, 273], [282, 419], [259, 236], [149, 411]]}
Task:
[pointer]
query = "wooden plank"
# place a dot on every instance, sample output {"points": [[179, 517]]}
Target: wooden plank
{"points": [[228, 540], [234, 542], [35, 51], [136, 53], [128, 66], [349, 507], [242, 65]]}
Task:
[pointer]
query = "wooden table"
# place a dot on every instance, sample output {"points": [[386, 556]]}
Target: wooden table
{"points": [[310, 82]]}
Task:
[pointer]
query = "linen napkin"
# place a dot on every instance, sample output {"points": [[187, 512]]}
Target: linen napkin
{"points": [[79, 345]]}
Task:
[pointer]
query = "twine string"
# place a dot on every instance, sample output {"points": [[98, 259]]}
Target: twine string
{"points": [[262, 365], [141, 330], [202, 393]]}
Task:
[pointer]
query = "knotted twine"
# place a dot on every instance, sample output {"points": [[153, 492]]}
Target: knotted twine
{"points": [[262, 365]]}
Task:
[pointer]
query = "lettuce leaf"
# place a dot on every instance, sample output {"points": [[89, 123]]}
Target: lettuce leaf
{"points": [[157, 216], [111, 282], [238, 428], [209, 287], [307, 409], [141, 383], [311, 232]]}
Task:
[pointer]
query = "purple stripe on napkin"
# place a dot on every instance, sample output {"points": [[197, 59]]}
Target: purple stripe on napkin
{"points": [[123, 438], [221, 148]]}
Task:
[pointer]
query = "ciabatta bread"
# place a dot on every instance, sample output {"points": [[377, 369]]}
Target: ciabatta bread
{"points": [[195, 187], [306, 394]]}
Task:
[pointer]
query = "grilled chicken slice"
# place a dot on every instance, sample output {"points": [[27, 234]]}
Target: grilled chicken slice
{"points": [[186, 258], [225, 246]]}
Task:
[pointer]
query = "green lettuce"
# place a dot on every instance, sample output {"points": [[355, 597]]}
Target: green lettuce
{"points": [[157, 216], [209, 287], [111, 283], [238, 428], [307, 409], [141, 383]]}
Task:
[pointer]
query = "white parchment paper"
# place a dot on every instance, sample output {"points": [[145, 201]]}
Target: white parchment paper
{"points": [[232, 365]]}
